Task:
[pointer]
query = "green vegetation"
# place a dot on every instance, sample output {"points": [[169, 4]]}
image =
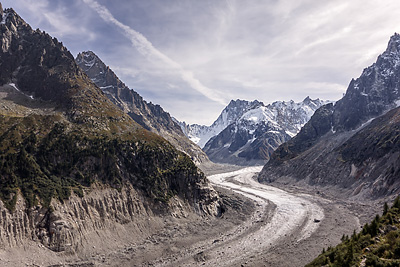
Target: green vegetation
{"points": [[45, 157], [378, 244]]}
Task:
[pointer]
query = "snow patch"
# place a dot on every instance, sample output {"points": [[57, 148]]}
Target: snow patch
{"points": [[291, 134], [353, 171], [194, 139], [105, 87], [5, 15], [90, 64], [15, 87], [258, 115]]}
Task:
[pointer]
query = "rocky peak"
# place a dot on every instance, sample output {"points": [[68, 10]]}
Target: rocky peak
{"points": [[307, 99], [394, 45], [87, 57], [41, 67], [99, 73], [151, 117], [235, 110], [374, 92], [239, 105], [201, 134], [11, 19], [252, 137], [352, 144], [313, 102]]}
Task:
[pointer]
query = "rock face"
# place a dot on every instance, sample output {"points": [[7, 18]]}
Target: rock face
{"points": [[254, 130], [151, 117], [72, 225], [71, 161], [376, 91], [21, 59], [353, 144]]}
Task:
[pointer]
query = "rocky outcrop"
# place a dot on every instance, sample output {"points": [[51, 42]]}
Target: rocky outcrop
{"points": [[151, 117], [352, 145]]}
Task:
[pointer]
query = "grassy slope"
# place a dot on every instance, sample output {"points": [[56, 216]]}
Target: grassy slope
{"points": [[46, 157], [378, 244]]}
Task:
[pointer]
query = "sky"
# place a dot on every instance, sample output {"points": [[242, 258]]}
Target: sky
{"points": [[192, 57]]}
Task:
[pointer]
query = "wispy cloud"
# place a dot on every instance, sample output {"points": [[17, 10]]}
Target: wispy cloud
{"points": [[54, 18], [146, 48]]}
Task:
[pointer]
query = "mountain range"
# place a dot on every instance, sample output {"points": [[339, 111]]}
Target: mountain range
{"points": [[354, 143], [247, 132]]}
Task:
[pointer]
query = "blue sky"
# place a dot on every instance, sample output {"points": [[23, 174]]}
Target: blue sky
{"points": [[192, 57]]}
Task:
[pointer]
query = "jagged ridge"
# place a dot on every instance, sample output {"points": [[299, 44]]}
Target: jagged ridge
{"points": [[201, 134], [151, 117], [258, 130]]}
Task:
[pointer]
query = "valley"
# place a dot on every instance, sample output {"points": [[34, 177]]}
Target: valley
{"points": [[269, 227], [92, 174], [282, 231], [261, 226]]}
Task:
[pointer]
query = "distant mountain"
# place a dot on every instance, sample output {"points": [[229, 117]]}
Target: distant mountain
{"points": [[246, 132], [201, 134], [72, 164], [353, 144], [257, 130], [151, 117]]}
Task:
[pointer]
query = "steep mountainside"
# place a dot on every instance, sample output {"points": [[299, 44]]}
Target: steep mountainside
{"points": [[350, 144], [60, 136], [254, 134], [201, 134], [151, 117]]}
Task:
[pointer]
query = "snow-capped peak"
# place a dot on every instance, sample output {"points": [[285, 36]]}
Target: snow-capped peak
{"points": [[293, 115], [258, 115]]}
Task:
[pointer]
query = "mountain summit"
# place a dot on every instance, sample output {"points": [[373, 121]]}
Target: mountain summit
{"points": [[201, 134], [247, 132], [374, 92], [353, 144]]}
